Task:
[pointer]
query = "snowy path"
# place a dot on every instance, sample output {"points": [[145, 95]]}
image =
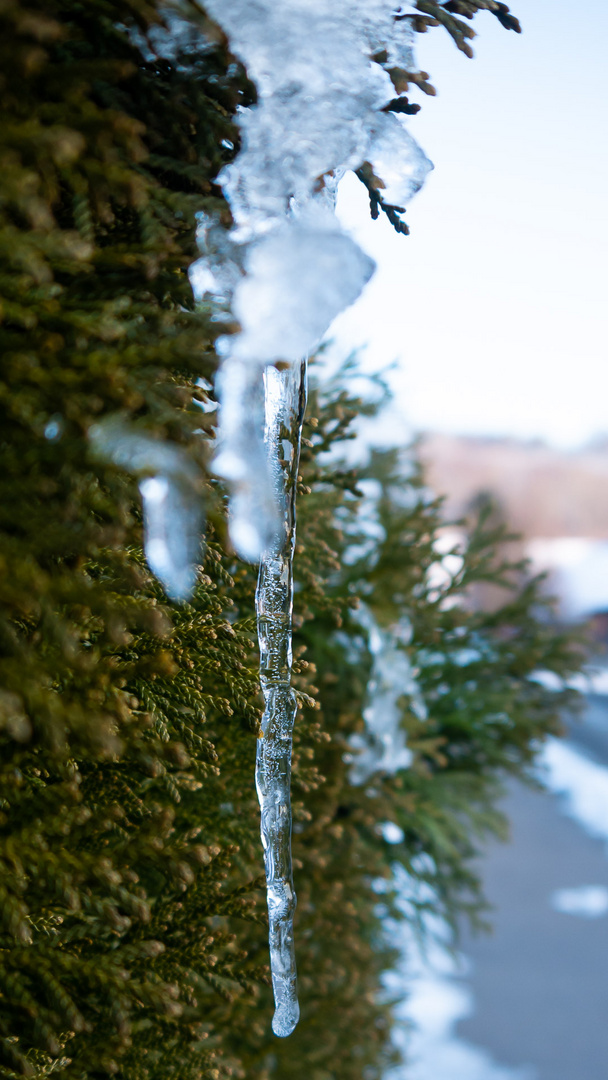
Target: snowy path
{"points": [[531, 1001]]}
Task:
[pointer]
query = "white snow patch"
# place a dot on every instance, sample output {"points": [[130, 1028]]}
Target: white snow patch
{"points": [[428, 980], [578, 569], [581, 783], [587, 901], [591, 681]]}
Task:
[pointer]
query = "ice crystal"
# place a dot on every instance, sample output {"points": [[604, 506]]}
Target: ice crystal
{"points": [[172, 504]]}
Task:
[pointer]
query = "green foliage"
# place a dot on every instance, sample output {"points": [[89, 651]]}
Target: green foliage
{"points": [[132, 913], [476, 709]]}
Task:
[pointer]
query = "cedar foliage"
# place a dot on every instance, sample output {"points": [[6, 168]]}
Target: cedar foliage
{"points": [[132, 911]]}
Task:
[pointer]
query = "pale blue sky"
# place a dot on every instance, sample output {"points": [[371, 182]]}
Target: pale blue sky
{"points": [[496, 304]]}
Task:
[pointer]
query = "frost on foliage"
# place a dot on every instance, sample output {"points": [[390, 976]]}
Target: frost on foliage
{"points": [[285, 404], [382, 747], [286, 269], [170, 489]]}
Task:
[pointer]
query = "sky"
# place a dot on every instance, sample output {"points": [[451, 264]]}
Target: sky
{"points": [[495, 306]]}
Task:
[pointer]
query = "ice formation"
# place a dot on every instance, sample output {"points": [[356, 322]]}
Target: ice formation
{"points": [[382, 747], [285, 290], [285, 271], [286, 268], [285, 404], [172, 503]]}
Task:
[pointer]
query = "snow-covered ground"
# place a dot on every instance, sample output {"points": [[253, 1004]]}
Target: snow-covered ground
{"points": [[580, 784], [436, 984], [578, 572], [437, 998]]}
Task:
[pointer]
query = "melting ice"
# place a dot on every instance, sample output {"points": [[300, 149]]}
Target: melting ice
{"points": [[286, 268]]}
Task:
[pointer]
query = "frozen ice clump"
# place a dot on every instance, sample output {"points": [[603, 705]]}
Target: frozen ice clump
{"points": [[396, 159], [285, 289], [217, 273], [172, 531], [319, 91], [388, 33], [298, 279], [169, 485], [286, 269], [399, 45], [316, 87]]}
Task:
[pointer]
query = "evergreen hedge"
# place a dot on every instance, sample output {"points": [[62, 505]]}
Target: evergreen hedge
{"points": [[132, 909]]}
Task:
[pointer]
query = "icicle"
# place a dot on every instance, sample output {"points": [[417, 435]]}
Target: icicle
{"points": [[285, 404], [172, 504], [285, 271]]}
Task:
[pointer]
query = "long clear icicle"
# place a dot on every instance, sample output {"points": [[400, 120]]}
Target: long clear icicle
{"points": [[285, 401]]}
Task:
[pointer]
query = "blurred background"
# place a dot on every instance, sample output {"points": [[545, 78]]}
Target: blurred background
{"points": [[494, 311]]}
